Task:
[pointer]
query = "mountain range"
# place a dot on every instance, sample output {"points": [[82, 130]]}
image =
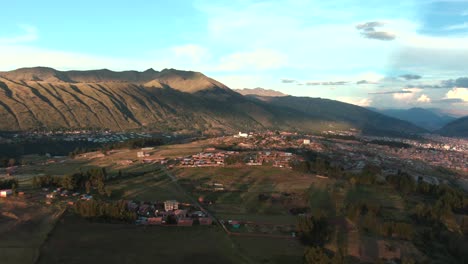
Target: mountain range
{"points": [[430, 119], [168, 100]]}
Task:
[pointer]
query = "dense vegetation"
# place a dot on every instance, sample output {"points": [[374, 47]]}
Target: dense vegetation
{"points": [[93, 178], [9, 184], [109, 211], [428, 221]]}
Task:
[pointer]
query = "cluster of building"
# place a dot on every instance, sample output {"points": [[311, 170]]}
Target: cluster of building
{"points": [[275, 158], [272, 140], [206, 159], [73, 135], [170, 212]]}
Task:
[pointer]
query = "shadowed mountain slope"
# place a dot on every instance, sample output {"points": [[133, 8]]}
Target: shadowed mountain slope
{"points": [[457, 128]]}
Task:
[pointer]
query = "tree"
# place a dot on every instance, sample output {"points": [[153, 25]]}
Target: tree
{"points": [[11, 162], [314, 230], [88, 187], [14, 187], [108, 192], [35, 182], [316, 255]]}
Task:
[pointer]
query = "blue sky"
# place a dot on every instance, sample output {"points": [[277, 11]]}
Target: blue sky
{"points": [[403, 53]]}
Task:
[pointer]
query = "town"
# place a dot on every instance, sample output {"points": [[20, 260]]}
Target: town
{"points": [[254, 185]]}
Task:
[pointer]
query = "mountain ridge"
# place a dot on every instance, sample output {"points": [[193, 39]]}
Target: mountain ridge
{"points": [[173, 101], [259, 91], [422, 117]]}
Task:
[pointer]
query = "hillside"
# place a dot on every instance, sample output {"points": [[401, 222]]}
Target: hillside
{"points": [[337, 115], [169, 100], [260, 92], [421, 117], [457, 128]]}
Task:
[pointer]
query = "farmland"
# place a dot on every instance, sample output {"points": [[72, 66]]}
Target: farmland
{"points": [[25, 225]]}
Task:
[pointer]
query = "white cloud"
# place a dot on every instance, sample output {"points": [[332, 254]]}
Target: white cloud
{"points": [[424, 99], [407, 96], [29, 34], [458, 93], [403, 96]]}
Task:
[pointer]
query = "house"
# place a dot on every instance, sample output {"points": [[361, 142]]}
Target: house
{"points": [[155, 221], [185, 222], [132, 206], [6, 193], [242, 135], [306, 142], [171, 205], [205, 221], [179, 214], [124, 162]]}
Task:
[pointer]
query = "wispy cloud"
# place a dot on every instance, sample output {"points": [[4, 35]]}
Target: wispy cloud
{"points": [[410, 76], [393, 92], [457, 27], [288, 81], [368, 30], [326, 83], [28, 34]]}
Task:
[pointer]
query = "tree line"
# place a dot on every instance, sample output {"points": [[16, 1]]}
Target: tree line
{"points": [[94, 209], [92, 178]]}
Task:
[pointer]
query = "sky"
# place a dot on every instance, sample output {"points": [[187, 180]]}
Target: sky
{"points": [[375, 53]]}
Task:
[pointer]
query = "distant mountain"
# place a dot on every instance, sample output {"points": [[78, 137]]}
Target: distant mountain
{"points": [[260, 92], [429, 119], [457, 128], [169, 100]]}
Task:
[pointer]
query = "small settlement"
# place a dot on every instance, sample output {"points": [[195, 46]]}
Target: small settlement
{"points": [[169, 212]]}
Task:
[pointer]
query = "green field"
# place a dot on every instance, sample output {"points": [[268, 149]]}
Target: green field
{"points": [[76, 240], [154, 186], [284, 188], [23, 229]]}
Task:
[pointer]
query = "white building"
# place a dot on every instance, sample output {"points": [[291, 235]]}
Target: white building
{"points": [[171, 205], [241, 135], [141, 154], [6, 193], [306, 142]]}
